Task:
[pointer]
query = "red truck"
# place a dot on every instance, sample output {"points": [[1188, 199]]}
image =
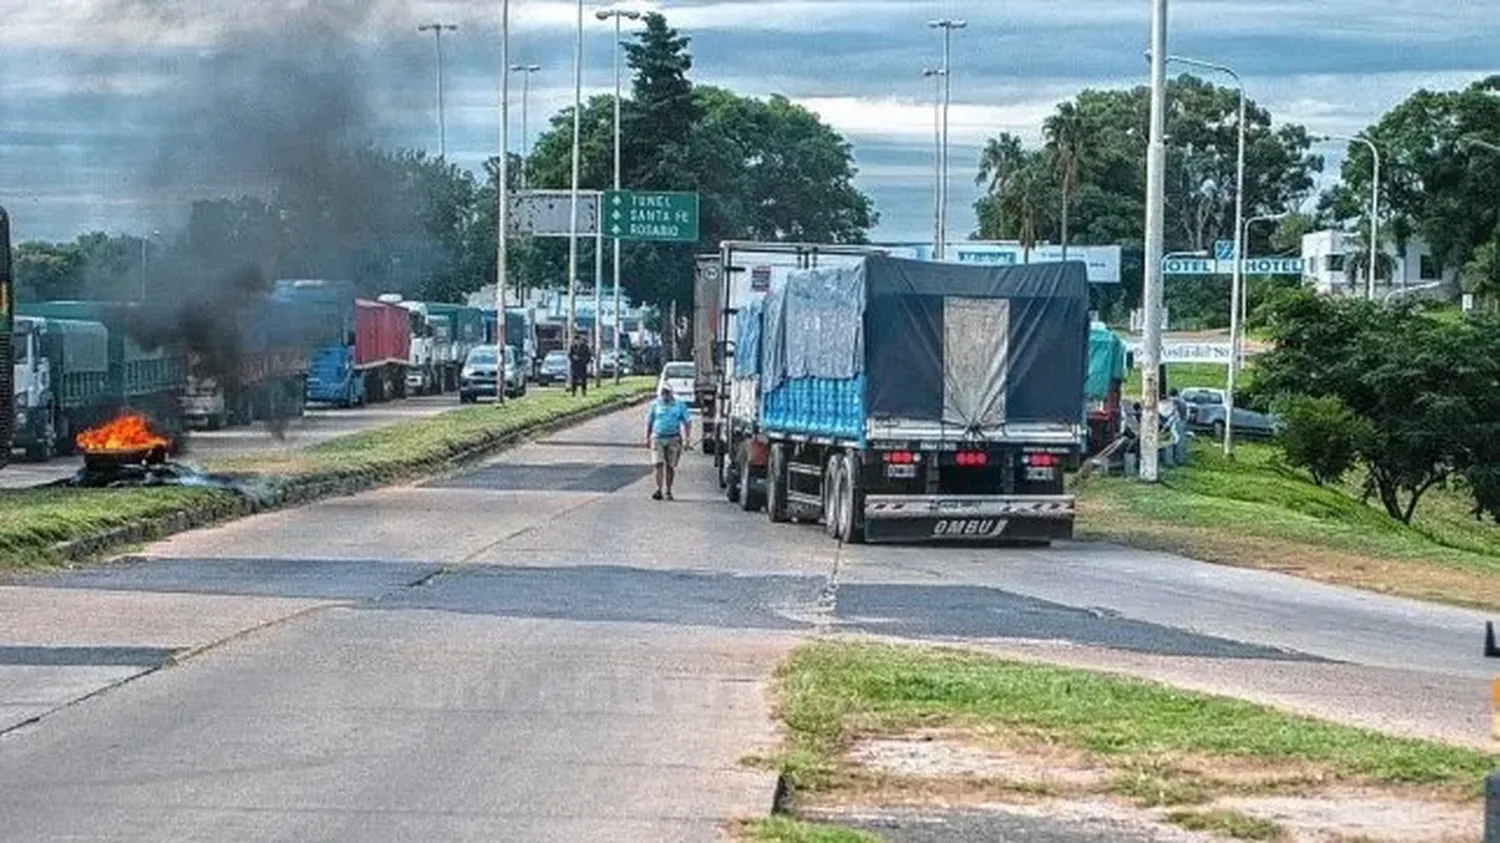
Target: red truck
{"points": [[382, 348]]}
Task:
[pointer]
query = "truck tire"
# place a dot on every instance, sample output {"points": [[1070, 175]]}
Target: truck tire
{"points": [[46, 446], [749, 499], [831, 476], [851, 502], [776, 486]]}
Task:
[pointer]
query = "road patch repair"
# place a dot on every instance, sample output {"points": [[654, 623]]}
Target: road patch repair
{"points": [[920, 745]]}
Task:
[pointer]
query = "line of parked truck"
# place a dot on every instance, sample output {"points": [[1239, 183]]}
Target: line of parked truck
{"points": [[75, 364]]}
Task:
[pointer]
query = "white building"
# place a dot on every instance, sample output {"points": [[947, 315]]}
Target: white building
{"points": [[1327, 256]]}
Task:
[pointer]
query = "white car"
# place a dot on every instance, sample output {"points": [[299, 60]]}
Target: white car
{"points": [[678, 376]]}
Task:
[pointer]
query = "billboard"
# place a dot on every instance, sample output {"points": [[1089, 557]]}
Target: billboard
{"points": [[1103, 261]]}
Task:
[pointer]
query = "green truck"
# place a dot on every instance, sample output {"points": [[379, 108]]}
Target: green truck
{"points": [[91, 370], [456, 330]]}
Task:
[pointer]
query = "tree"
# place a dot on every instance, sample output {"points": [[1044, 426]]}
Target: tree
{"points": [[1069, 140], [1322, 435], [1422, 386], [48, 271], [1481, 275]]}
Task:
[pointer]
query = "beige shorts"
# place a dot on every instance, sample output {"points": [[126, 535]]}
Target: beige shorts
{"points": [[666, 451]]}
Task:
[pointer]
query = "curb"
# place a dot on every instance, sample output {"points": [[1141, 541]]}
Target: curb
{"points": [[297, 492]]}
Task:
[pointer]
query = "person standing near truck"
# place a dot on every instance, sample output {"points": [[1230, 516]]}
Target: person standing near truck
{"points": [[579, 358], [669, 426]]}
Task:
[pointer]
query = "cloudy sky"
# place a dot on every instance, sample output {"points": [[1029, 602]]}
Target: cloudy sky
{"points": [[115, 112]]}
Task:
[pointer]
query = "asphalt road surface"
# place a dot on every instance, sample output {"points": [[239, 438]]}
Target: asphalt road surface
{"points": [[318, 425], [534, 650]]}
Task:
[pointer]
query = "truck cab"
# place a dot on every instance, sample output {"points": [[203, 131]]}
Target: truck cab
{"points": [[32, 388], [421, 373]]}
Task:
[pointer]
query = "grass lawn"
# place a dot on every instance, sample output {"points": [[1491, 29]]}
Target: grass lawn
{"points": [[784, 830], [34, 521], [1255, 512], [1144, 734], [1184, 375]]}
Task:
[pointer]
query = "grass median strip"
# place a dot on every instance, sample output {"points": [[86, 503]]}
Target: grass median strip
{"points": [[785, 830], [36, 525], [881, 724], [1254, 512]]}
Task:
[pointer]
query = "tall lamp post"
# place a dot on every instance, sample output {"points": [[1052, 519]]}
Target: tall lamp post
{"points": [[937, 74], [1155, 240], [1237, 351], [525, 70], [619, 15], [947, 25], [502, 236], [573, 194], [1374, 204], [437, 30], [1237, 282]]}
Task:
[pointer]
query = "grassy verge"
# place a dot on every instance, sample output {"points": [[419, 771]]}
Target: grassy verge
{"points": [[1255, 512], [784, 830], [52, 526], [1181, 376], [1158, 748]]}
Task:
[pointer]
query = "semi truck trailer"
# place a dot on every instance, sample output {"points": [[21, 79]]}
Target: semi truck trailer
{"points": [[896, 400]]}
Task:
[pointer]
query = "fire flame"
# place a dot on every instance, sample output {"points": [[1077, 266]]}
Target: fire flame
{"points": [[130, 432]]}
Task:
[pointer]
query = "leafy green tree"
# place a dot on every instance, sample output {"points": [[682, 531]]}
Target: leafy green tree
{"points": [[1322, 435], [1423, 386], [48, 271]]}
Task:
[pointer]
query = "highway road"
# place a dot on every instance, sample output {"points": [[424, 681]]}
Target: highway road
{"points": [[318, 425], [533, 650]]}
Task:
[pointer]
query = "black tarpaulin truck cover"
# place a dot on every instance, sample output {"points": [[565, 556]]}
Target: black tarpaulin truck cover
{"points": [[968, 346]]}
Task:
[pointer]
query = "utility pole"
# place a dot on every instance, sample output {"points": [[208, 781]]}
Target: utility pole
{"points": [[437, 30], [571, 332], [937, 75], [947, 25], [503, 190], [617, 14], [1155, 234]]}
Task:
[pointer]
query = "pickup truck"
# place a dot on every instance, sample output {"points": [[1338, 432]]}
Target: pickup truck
{"points": [[1205, 413]]}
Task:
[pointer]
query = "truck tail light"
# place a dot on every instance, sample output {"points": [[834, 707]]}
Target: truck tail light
{"points": [[972, 459], [900, 457], [1043, 460]]}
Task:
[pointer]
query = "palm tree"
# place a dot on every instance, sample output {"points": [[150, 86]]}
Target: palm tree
{"points": [[1068, 143], [1025, 196], [1002, 155]]}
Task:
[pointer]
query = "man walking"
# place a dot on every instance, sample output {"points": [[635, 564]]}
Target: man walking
{"points": [[668, 426], [579, 358]]}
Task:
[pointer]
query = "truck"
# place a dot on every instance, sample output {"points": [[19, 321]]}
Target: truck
{"points": [[550, 337], [61, 382], [145, 379], [457, 330], [7, 316], [268, 378], [724, 284], [422, 376], [360, 349], [901, 401]]}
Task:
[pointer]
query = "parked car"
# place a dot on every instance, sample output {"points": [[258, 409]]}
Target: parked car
{"points": [[1205, 413], [678, 376], [607, 363], [554, 368], [478, 377]]}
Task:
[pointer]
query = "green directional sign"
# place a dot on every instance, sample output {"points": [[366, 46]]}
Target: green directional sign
{"points": [[651, 215]]}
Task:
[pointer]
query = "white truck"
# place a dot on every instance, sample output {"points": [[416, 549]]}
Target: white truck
{"points": [[422, 377]]}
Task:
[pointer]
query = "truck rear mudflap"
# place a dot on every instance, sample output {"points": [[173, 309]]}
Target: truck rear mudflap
{"points": [[971, 518]]}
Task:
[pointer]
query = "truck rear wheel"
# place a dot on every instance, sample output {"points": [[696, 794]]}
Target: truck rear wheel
{"points": [[776, 486], [851, 502], [831, 491], [749, 499]]}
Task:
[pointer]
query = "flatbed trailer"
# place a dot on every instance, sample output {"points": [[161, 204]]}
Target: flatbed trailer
{"points": [[904, 401]]}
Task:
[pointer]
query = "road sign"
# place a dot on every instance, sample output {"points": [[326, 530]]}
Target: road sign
{"points": [[654, 215], [1273, 266], [1224, 250], [548, 213]]}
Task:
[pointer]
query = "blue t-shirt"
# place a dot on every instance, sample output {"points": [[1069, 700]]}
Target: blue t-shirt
{"points": [[667, 419]]}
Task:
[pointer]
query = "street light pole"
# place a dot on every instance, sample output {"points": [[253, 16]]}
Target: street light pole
{"points": [[525, 70], [1374, 205], [1237, 282], [145, 244], [618, 14], [937, 74], [1155, 242], [947, 25], [502, 236], [573, 196], [1236, 352], [437, 30]]}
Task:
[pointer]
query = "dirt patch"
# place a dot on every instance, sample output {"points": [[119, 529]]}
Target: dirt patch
{"points": [[1344, 815], [943, 755], [1153, 798]]}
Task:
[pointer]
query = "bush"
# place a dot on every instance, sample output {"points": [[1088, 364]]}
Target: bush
{"points": [[1322, 435]]}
